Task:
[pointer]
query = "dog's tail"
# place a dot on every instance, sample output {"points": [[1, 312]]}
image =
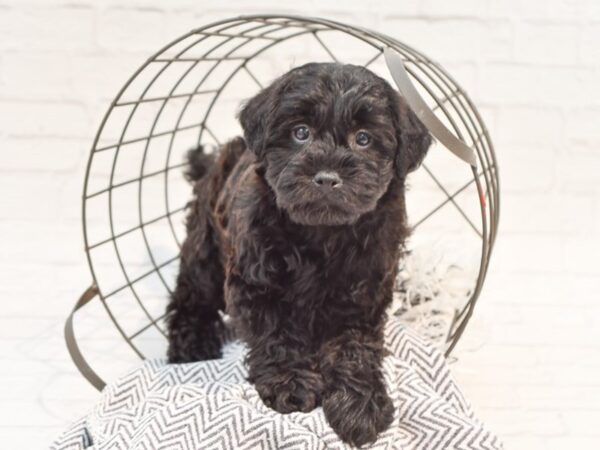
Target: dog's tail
{"points": [[198, 164], [220, 163]]}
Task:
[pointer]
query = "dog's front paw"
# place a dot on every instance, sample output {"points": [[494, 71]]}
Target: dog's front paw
{"points": [[358, 418], [291, 392]]}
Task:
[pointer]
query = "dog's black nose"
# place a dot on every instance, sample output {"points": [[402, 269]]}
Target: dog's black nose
{"points": [[326, 178]]}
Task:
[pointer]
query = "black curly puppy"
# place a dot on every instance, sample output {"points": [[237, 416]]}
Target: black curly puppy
{"points": [[295, 231]]}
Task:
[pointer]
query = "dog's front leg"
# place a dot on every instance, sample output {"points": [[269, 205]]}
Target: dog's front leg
{"points": [[355, 400], [280, 364]]}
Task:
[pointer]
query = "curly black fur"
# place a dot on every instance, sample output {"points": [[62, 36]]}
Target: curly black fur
{"points": [[305, 271]]}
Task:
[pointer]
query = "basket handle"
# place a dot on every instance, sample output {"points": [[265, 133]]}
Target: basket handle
{"points": [[423, 112], [72, 345]]}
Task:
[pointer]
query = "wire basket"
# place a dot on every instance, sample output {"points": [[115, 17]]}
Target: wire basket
{"points": [[187, 94]]}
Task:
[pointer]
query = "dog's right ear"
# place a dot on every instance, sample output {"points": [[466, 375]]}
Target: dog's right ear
{"points": [[257, 114]]}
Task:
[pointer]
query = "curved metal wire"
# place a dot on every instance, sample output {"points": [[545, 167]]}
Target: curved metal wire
{"points": [[447, 98]]}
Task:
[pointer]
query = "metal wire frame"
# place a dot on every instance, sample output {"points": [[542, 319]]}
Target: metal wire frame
{"points": [[454, 105]]}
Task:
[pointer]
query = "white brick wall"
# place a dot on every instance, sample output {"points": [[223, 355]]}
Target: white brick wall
{"points": [[530, 359]]}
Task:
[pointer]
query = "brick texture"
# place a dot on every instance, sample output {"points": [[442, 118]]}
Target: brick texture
{"points": [[530, 359]]}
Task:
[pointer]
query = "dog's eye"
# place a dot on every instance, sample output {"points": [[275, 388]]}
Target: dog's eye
{"points": [[362, 139], [301, 133]]}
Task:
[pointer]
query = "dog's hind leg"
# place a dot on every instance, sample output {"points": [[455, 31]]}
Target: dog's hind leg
{"points": [[194, 325]]}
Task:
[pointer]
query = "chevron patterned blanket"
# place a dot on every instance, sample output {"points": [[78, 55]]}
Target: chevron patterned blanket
{"points": [[209, 405]]}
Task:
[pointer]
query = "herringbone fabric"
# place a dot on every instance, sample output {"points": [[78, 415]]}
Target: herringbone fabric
{"points": [[209, 405]]}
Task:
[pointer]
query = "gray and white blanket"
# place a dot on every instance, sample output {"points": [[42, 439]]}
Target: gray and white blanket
{"points": [[210, 405]]}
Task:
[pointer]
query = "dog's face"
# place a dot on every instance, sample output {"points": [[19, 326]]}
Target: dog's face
{"points": [[331, 137]]}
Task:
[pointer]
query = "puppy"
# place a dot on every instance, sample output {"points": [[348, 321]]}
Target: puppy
{"points": [[295, 231]]}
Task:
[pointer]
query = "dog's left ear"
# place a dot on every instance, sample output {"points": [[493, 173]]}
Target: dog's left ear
{"points": [[413, 137]]}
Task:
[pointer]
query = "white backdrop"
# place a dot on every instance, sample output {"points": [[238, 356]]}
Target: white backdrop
{"points": [[530, 359]]}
